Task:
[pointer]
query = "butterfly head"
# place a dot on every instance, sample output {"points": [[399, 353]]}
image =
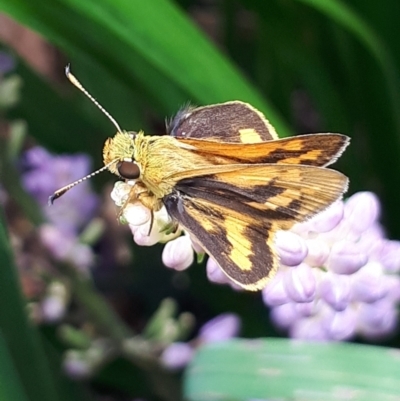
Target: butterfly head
{"points": [[118, 155]]}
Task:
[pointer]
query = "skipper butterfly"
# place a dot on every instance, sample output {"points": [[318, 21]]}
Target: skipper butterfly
{"points": [[224, 176]]}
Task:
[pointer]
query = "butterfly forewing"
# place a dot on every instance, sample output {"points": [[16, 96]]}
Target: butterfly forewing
{"points": [[311, 149]]}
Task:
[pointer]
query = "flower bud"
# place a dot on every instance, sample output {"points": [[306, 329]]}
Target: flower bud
{"points": [[274, 293], [308, 329], [284, 315], [291, 248], [345, 258], [136, 214], [178, 253], [300, 283], [318, 252], [223, 327], [215, 273], [341, 325], [335, 291], [362, 210]]}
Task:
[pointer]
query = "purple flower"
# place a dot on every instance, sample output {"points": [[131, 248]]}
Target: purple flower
{"points": [[178, 254], [7, 63], [65, 246], [177, 355], [223, 327], [347, 284], [44, 173]]}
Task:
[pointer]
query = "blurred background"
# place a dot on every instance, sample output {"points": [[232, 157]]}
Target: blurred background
{"points": [[308, 65]]}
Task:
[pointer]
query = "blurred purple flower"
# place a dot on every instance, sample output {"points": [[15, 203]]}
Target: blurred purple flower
{"points": [[222, 327], [3, 195], [76, 366], [44, 173], [347, 283], [7, 63], [65, 246], [177, 355], [54, 304]]}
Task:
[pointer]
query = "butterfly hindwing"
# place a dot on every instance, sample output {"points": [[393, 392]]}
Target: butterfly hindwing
{"points": [[235, 214], [236, 122], [282, 193], [242, 246]]}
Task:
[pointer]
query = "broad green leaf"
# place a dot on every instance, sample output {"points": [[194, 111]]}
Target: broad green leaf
{"points": [[148, 45], [293, 371]]}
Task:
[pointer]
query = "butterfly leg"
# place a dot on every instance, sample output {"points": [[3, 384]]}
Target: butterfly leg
{"points": [[140, 193]]}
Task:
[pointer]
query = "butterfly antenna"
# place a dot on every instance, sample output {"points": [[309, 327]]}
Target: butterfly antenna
{"points": [[76, 83], [60, 192]]}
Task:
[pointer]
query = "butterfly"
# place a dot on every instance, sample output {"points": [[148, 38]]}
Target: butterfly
{"points": [[225, 177]]}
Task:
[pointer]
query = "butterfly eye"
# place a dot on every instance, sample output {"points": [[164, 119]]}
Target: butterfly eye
{"points": [[128, 170]]}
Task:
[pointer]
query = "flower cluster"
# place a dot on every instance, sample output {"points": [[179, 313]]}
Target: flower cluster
{"points": [[42, 174], [348, 281], [338, 275]]}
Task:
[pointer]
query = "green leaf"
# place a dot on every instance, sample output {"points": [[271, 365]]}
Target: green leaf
{"points": [[11, 388], [56, 121], [351, 21], [21, 338], [173, 63], [292, 370]]}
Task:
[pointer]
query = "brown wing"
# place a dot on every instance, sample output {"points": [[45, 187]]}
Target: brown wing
{"points": [[235, 214], [243, 249], [226, 122]]}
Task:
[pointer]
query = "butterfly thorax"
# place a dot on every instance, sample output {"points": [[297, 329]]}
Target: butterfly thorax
{"points": [[161, 159]]}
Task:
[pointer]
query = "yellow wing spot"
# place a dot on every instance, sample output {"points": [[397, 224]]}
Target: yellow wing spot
{"points": [[241, 246], [249, 135]]}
